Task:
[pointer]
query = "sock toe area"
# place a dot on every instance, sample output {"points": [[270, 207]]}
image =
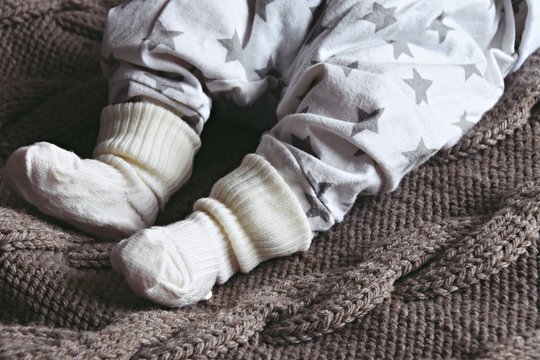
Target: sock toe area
{"points": [[160, 271], [89, 194], [42, 165]]}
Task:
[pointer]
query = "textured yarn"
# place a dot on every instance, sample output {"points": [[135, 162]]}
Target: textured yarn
{"points": [[444, 267]]}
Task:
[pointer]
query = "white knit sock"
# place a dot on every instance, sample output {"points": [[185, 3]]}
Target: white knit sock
{"points": [[176, 265], [143, 154], [250, 216]]}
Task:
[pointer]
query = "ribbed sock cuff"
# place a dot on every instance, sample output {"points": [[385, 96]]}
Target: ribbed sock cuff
{"points": [[154, 140], [205, 247], [258, 212]]}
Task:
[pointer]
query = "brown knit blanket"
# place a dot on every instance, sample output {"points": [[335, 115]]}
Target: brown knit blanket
{"points": [[444, 267]]}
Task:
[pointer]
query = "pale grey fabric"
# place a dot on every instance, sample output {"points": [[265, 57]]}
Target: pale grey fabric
{"points": [[362, 91]]}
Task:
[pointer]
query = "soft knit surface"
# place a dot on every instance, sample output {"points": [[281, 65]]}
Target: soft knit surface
{"points": [[445, 267]]}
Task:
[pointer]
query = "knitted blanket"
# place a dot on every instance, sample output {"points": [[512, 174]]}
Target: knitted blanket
{"points": [[444, 267]]}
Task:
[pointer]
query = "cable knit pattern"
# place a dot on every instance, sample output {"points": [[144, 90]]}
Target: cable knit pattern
{"points": [[444, 267]]}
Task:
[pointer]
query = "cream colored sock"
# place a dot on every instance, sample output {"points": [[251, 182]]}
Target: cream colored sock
{"points": [[250, 216], [144, 153]]}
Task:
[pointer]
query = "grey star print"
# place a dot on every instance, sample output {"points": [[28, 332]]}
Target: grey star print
{"points": [[320, 187], [470, 70], [359, 115], [366, 121], [463, 123], [442, 29], [268, 70], [304, 145], [260, 8], [400, 48], [418, 156], [323, 186], [161, 36], [316, 210], [347, 70], [234, 48], [420, 86], [380, 16]]}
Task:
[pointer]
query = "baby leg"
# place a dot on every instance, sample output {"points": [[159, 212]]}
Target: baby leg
{"points": [[375, 91], [162, 55], [379, 91], [143, 154]]}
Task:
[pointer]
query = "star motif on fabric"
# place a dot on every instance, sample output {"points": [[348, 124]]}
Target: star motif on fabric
{"points": [[380, 16], [463, 123], [234, 48], [161, 36], [304, 145], [367, 121], [323, 186], [442, 29], [420, 86], [470, 70], [418, 156], [352, 66], [268, 70], [316, 209], [400, 48], [260, 8]]}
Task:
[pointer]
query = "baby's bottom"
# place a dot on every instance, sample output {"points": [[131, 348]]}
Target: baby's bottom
{"points": [[349, 125]]}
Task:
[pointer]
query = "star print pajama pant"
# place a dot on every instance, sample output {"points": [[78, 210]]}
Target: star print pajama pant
{"points": [[354, 93]]}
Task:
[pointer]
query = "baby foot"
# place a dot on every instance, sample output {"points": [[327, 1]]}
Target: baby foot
{"points": [[176, 265], [144, 153], [250, 216], [106, 198]]}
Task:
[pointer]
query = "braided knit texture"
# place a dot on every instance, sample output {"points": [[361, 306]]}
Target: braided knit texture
{"points": [[444, 267]]}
